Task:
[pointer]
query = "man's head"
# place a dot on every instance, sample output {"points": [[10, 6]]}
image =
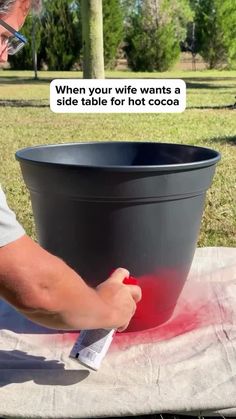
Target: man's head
{"points": [[13, 12], [6, 5]]}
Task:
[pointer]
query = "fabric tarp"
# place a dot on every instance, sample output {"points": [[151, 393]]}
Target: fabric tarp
{"points": [[187, 365]]}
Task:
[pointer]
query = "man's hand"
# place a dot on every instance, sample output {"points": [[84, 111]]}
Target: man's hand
{"points": [[120, 297], [48, 292]]}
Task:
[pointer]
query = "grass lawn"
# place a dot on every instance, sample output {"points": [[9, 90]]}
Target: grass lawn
{"points": [[207, 121]]}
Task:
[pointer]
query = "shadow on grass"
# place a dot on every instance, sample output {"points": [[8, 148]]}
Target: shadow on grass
{"points": [[18, 103], [191, 82], [230, 107], [33, 103], [22, 80], [203, 85], [224, 140], [210, 78]]}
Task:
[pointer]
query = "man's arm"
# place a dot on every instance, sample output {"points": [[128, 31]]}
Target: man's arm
{"points": [[47, 291]]}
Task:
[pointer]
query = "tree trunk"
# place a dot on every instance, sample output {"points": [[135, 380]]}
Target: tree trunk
{"points": [[92, 28], [34, 49]]}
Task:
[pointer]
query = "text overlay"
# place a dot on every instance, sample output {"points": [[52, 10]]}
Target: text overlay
{"points": [[117, 95]]}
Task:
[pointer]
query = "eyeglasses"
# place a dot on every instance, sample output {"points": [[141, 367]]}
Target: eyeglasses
{"points": [[15, 42]]}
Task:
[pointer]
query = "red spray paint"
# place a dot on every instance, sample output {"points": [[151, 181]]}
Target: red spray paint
{"points": [[159, 297], [201, 304]]}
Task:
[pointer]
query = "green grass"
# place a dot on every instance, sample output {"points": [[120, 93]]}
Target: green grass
{"points": [[206, 122]]}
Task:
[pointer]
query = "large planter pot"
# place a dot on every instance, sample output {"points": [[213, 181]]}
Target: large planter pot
{"points": [[138, 205]]}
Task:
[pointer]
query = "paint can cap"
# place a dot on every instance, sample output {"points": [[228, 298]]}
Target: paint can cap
{"points": [[130, 281]]}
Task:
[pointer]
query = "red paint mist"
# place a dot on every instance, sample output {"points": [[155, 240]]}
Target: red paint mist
{"points": [[160, 293], [199, 305], [159, 317]]}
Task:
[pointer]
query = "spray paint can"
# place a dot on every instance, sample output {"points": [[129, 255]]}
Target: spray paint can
{"points": [[92, 345]]}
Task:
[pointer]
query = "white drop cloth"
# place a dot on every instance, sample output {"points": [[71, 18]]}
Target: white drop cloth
{"points": [[186, 366]]}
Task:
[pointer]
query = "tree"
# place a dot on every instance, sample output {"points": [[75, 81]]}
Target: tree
{"points": [[154, 32], [92, 29], [113, 30], [61, 38], [34, 45], [216, 31]]}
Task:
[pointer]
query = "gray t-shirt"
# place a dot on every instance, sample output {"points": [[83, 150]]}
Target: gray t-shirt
{"points": [[10, 229]]}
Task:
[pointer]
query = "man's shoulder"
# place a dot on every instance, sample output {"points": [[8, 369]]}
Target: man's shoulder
{"points": [[10, 228]]}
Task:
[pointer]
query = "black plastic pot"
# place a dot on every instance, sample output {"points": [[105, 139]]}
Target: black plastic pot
{"points": [[138, 205]]}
